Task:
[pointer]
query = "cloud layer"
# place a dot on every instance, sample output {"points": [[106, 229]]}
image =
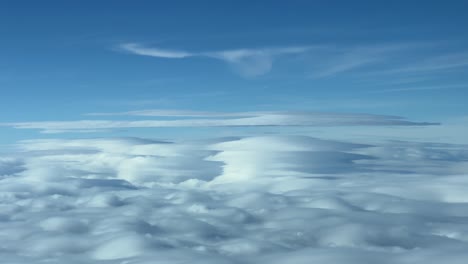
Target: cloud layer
{"points": [[267, 199], [217, 119]]}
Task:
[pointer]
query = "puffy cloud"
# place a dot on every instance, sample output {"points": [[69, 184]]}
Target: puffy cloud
{"points": [[9, 166], [272, 199]]}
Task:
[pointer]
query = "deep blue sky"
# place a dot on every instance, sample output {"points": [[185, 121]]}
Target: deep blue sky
{"points": [[62, 59]]}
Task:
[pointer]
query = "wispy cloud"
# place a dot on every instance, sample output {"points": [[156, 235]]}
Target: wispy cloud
{"points": [[182, 113], [334, 60], [247, 62], [213, 119], [429, 64], [409, 58], [343, 61], [438, 63], [403, 59], [421, 88], [156, 52]]}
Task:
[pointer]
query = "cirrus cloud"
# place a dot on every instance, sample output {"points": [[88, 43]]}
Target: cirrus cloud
{"points": [[247, 62]]}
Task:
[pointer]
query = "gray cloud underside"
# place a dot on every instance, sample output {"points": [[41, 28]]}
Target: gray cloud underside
{"points": [[268, 199]]}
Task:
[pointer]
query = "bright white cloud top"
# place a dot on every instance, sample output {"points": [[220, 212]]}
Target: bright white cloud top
{"points": [[258, 199]]}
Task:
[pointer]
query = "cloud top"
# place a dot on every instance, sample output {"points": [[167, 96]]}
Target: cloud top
{"points": [[263, 199]]}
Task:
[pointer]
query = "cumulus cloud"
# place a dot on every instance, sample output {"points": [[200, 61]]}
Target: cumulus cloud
{"points": [[247, 62], [207, 119], [263, 199]]}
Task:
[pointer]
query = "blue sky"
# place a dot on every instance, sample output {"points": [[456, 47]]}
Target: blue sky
{"points": [[61, 60]]}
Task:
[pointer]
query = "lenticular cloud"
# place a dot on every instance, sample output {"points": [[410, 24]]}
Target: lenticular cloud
{"points": [[267, 199]]}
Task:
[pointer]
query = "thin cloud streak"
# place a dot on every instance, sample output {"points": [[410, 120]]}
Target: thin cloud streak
{"points": [[341, 59], [155, 52], [247, 62], [326, 61], [430, 65], [274, 119], [422, 88], [181, 113], [329, 60]]}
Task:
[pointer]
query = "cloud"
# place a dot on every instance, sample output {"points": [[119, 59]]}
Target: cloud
{"points": [[326, 60], [240, 119], [263, 199], [403, 59], [247, 62], [422, 88], [438, 63], [155, 52], [338, 62], [9, 166], [178, 113], [422, 67]]}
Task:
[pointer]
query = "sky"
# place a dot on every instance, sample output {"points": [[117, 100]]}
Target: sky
{"points": [[63, 60], [137, 132]]}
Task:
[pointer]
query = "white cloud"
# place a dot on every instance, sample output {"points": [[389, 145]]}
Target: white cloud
{"points": [[344, 61], [421, 88], [267, 199], [335, 60], [330, 60], [247, 62], [248, 119], [435, 63], [155, 52], [178, 113]]}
